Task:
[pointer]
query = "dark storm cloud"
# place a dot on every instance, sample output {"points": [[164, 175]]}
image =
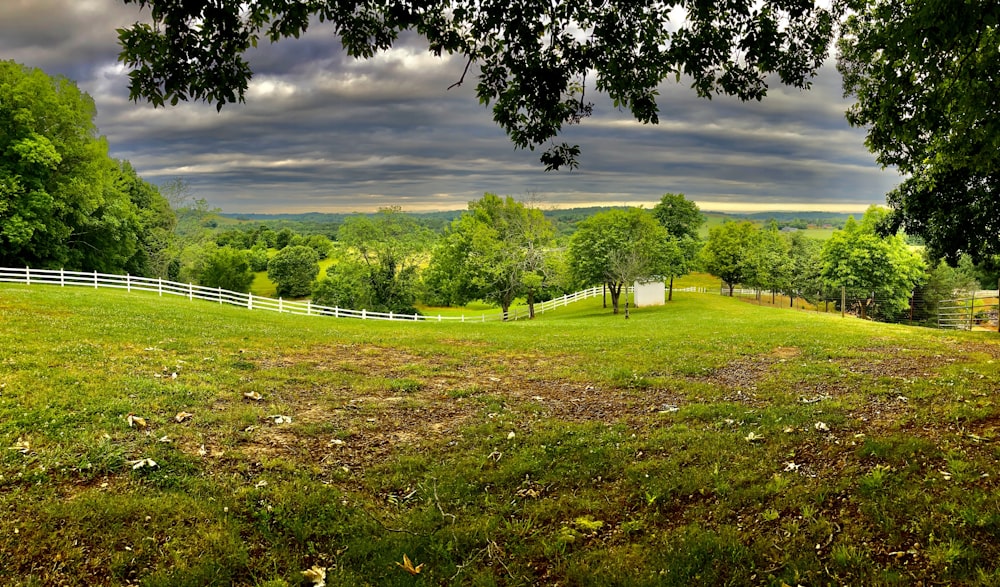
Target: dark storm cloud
{"points": [[322, 131]]}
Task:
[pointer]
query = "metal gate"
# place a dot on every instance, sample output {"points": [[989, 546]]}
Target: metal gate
{"points": [[977, 311]]}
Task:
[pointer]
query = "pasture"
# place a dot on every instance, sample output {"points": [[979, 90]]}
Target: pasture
{"points": [[706, 442]]}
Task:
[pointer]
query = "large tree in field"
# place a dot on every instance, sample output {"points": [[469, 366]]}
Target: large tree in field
{"points": [[682, 218], [293, 270], [879, 271], [731, 253], [376, 266], [617, 247], [494, 252], [536, 59], [63, 201], [926, 76]]}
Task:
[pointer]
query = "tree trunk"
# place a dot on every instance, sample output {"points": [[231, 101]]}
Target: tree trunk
{"points": [[531, 305], [670, 295], [730, 289], [505, 307], [616, 291]]}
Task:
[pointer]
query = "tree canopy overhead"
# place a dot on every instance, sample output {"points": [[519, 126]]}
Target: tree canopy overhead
{"points": [[925, 76], [536, 58]]}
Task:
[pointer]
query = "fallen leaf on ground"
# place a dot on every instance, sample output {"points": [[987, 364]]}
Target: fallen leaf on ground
{"points": [[253, 395], [21, 446], [407, 565], [279, 419], [753, 437], [139, 464], [201, 451], [316, 574], [136, 421], [182, 416], [164, 439], [821, 426]]}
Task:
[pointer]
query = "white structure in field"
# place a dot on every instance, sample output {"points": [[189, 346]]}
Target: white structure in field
{"points": [[651, 293]]}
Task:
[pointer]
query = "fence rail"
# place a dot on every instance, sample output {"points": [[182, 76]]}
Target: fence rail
{"points": [[162, 287]]}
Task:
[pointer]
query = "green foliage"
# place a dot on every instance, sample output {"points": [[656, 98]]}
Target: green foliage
{"points": [[345, 286], [680, 216], [534, 62], [293, 270], [617, 247], [729, 253], [227, 268], [63, 201], [376, 268], [924, 75], [881, 271], [806, 264], [494, 252]]}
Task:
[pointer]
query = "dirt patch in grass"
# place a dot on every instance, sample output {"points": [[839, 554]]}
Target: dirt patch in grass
{"points": [[364, 428]]}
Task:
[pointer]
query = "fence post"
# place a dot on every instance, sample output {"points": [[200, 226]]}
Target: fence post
{"points": [[280, 305], [309, 307], [128, 282], [390, 315], [62, 277], [27, 275], [190, 291], [972, 309], [159, 285], [364, 314], [439, 317], [250, 301], [220, 294], [463, 317], [336, 312]]}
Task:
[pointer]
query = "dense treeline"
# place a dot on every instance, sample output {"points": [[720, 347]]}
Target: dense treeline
{"points": [[64, 202]]}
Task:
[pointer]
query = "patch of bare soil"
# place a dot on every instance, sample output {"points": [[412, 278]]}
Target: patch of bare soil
{"points": [[366, 428]]}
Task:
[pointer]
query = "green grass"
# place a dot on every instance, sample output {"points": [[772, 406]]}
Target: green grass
{"points": [[705, 442]]}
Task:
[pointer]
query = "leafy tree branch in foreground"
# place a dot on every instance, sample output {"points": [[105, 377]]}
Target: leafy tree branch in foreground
{"points": [[535, 59]]}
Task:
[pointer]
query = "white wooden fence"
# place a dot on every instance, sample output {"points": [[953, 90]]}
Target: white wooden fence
{"points": [[162, 287]]}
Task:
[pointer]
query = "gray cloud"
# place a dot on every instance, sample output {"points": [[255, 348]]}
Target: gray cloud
{"points": [[321, 131]]}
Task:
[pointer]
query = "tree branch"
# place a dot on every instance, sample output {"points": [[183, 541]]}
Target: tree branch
{"points": [[464, 72]]}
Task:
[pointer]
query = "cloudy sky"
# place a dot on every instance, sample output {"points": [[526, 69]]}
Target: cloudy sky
{"points": [[323, 132]]}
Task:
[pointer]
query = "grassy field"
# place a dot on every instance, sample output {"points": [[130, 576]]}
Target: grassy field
{"points": [[707, 442]]}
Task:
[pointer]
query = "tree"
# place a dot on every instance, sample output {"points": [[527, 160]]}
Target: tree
{"points": [[385, 251], [925, 77], [155, 221], [769, 266], [227, 268], [63, 201], [682, 218], [729, 253], [494, 252], [805, 268], [879, 271], [293, 270], [617, 247], [535, 57]]}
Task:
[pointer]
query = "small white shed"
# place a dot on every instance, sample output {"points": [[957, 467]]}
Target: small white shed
{"points": [[650, 293]]}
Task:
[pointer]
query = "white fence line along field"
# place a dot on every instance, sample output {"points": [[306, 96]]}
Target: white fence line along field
{"points": [[162, 287]]}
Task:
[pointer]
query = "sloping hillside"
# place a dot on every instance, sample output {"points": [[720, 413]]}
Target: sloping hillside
{"points": [[705, 442]]}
